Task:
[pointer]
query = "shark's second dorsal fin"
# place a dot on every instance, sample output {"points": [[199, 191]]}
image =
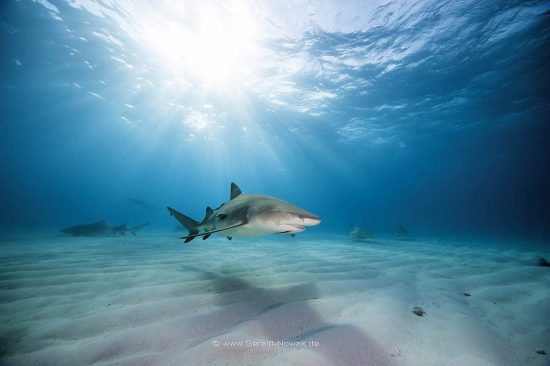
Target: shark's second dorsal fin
{"points": [[209, 212], [235, 190]]}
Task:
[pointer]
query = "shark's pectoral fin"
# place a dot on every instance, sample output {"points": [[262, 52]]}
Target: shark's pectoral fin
{"points": [[208, 233], [206, 236], [293, 235]]}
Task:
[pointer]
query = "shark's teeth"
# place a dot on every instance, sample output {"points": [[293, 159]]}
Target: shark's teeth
{"points": [[296, 226]]}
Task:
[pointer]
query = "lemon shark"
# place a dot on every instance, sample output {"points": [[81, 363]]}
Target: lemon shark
{"points": [[101, 228], [248, 215]]}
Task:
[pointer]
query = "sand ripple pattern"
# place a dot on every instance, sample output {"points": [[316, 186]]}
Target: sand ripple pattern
{"points": [[150, 300]]}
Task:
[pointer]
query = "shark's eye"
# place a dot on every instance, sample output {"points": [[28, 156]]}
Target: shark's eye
{"points": [[222, 216]]}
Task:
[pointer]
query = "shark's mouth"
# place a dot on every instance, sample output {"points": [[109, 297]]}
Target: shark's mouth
{"points": [[299, 227]]}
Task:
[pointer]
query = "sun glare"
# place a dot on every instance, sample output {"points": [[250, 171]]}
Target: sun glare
{"points": [[218, 45]]}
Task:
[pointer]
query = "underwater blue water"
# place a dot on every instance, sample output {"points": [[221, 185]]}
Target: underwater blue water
{"points": [[430, 114]]}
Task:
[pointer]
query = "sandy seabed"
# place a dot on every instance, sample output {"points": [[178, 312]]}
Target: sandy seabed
{"points": [[149, 300]]}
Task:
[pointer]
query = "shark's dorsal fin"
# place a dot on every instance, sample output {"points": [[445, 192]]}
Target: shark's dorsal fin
{"points": [[235, 191]]}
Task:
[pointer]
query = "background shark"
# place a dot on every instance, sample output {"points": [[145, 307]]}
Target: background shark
{"points": [[144, 204], [248, 215], [100, 228]]}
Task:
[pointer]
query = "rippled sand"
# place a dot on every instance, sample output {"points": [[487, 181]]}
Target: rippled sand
{"points": [[278, 301]]}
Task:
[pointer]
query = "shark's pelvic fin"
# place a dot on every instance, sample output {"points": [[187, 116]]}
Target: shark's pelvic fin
{"points": [[235, 190], [186, 221]]}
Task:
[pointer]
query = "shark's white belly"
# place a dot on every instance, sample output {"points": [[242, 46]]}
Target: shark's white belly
{"points": [[246, 230]]}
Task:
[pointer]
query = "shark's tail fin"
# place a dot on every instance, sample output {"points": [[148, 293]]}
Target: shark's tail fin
{"points": [[186, 221], [119, 229], [134, 229]]}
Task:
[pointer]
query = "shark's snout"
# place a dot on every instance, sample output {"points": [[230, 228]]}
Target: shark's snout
{"points": [[311, 220], [300, 220]]}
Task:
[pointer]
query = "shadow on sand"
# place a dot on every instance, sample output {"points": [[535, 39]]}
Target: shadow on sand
{"points": [[286, 315]]}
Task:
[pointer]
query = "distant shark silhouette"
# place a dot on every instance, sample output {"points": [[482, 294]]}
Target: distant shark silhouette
{"points": [[144, 204], [359, 233], [100, 228], [403, 234], [248, 215]]}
